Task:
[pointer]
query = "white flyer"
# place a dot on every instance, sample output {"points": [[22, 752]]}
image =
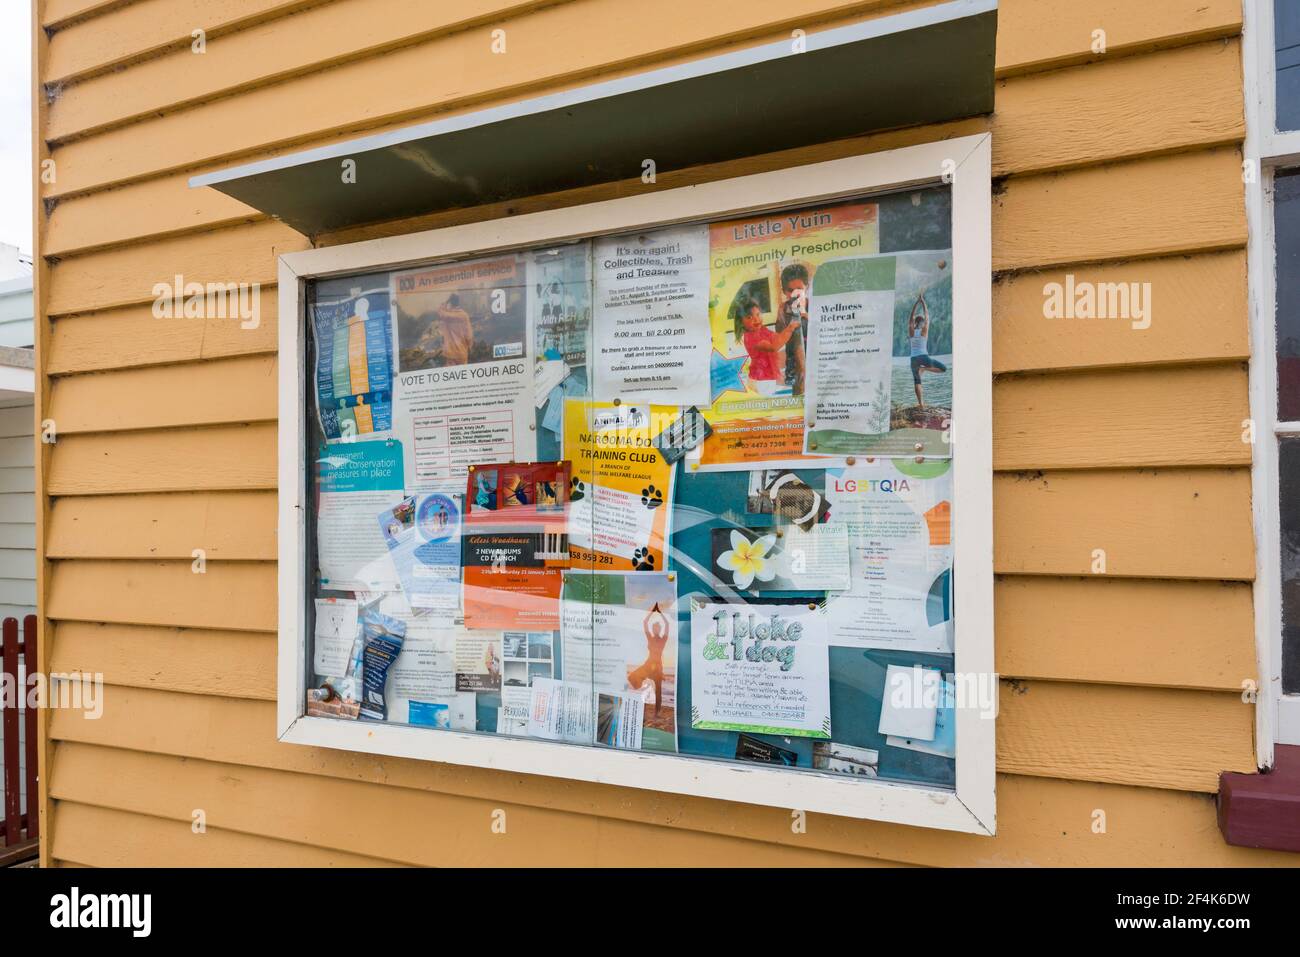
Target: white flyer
{"points": [[336, 631], [651, 332], [898, 514]]}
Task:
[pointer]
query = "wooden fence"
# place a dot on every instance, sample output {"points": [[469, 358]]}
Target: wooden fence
{"points": [[20, 828]]}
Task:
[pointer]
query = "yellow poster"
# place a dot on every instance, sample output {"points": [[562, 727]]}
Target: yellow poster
{"points": [[761, 271], [620, 503]]}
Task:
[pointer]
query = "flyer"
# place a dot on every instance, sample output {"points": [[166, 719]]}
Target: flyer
{"points": [[425, 669], [782, 559], [619, 635], [873, 391], [336, 632], [477, 658], [651, 335], [763, 669], [509, 583], [559, 303], [621, 493], [464, 381], [898, 516], [561, 711], [354, 353], [422, 533], [522, 497], [453, 712], [357, 481], [762, 272], [850, 353], [619, 720]]}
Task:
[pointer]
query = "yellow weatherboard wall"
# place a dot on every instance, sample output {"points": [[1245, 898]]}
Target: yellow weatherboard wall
{"points": [[1122, 693]]}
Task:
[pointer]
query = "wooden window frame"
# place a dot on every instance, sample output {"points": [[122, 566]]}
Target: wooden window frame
{"points": [[963, 162], [1266, 151]]}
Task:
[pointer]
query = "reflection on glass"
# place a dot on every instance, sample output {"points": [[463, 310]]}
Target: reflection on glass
{"points": [[1289, 502], [1286, 31], [682, 492], [1287, 231]]}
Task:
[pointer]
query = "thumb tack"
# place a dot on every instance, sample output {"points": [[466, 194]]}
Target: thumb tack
{"points": [[920, 446], [920, 459], [618, 402], [850, 461]]}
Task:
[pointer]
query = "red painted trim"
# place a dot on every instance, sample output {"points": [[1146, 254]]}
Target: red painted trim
{"points": [[1263, 810]]}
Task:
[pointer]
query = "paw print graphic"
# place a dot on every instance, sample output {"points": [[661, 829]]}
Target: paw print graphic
{"points": [[642, 560], [651, 497], [577, 490]]}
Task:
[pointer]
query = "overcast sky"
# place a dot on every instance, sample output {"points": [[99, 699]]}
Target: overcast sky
{"points": [[15, 124]]}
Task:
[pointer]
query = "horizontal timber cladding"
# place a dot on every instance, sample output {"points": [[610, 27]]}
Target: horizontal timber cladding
{"points": [[1123, 687]]}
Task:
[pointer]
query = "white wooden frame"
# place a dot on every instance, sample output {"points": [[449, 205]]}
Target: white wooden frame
{"points": [[971, 808], [1266, 150]]}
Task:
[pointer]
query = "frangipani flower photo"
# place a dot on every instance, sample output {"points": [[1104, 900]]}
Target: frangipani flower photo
{"points": [[748, 560]]}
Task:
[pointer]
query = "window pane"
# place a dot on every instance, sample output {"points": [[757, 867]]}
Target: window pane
{"points": [[588, 493], [1287, 231], [1289, 501], [1286, 28]]}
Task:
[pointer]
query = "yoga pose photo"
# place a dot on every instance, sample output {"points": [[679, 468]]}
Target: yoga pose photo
{"points": [[918, 336], [655, 627]]}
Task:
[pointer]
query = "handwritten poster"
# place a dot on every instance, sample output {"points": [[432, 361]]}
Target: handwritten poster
{"points": [[760, 668]]}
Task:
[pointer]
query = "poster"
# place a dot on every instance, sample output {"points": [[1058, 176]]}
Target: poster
{"points": [[651, 335], [422, 533], [762, 273], [509, 585], [464, 380], [522, 497], [621, 495], [898, 516], [477, 659], [357, 481], [763, 669], [425, 670], [850, 352], [559, 304], [354, 353], [561, 711], [620, 637], [782, 559], [864, 397], [337, 630]]}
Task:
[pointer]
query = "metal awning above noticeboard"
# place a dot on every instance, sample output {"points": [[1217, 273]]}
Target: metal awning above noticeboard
{"points": [[922, 66]]}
